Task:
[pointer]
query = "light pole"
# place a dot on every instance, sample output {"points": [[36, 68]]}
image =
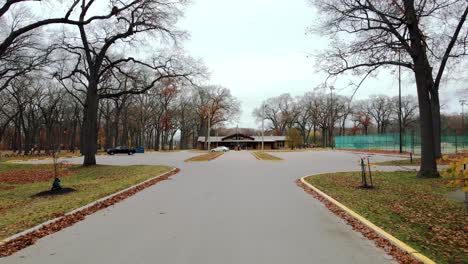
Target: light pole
{"points": [[330, 133], [209, 130], [263, 127], [399, 103], [463, 102], [60, 121], [400, 126]]}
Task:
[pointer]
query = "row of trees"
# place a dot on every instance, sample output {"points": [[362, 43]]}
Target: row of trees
{"points": [[38, 116], [318, 113], [424, 37], [83, 72]]}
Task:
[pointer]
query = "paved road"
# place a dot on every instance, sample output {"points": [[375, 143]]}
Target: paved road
{"points": [[234, 209]]}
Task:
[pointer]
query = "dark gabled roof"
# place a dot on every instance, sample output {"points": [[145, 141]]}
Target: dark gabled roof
{"points": [[255, 139], [237, 135]]}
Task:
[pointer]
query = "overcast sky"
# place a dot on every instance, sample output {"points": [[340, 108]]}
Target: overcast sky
{"points": [[258, 49]]}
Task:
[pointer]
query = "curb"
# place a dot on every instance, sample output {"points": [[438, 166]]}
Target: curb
{"points": [[13, 161], [395, 241], [83, 208], [255, 155]]}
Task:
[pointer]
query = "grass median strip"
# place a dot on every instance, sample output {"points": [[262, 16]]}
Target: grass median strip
{"points": [[265, 156], [19, 210], [205, 157], [416, 211]]}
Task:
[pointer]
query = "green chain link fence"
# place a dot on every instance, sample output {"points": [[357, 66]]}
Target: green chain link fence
{"points": [[450, 141]]}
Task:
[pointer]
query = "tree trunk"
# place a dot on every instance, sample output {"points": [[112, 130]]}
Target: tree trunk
{"points": [[73, 136], [436, 124], [171, 142], [183, 138], [194, 139], [89, 131], [304, 134], [116, 125], [49, 138], [308, 135], [426, 93], [124, 136], [343, 125], [19, 141], [424, 84], [108, 133], [314, 137], [324, 137], [157, 139]]}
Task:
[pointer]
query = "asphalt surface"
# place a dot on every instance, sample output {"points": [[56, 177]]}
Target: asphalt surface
{"points": [[234, 209]]}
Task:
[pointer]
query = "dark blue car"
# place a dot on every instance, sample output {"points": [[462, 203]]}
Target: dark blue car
{"points": [[119, 149]]}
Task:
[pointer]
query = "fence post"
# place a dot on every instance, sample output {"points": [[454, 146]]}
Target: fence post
{"points": [[456, 143], [463, 141], [464, 186], [412, 141]]}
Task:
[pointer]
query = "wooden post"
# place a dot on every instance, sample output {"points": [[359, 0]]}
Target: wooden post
{"points": [[370, 173], [363, 173]]}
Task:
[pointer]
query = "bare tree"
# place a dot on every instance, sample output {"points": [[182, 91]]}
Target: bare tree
{"points": [[24, 44], [218, 104], [189, 118], [95, 61], [427, 36], [361, 116], [381, 109], [8, 112], [305, 120], [51, 107], [26, 23], [281, 111], [409, 110], [25, 55]]}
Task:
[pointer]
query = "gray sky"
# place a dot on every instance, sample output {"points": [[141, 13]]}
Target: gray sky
{"points": [[258, 49]]}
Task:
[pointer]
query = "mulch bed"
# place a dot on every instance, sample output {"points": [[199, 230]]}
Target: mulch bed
{"points": [[29, 176], [30, 238], [457, 155], [400, 255], [54, 192]]}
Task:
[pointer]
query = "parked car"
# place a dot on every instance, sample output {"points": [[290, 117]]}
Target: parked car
{"points": [[119, 149], [220, 149]]}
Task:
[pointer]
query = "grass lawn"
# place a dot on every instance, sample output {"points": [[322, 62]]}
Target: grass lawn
{"points": [[407, 162], [205, 157], [265, 156], [415, 211], [20, 211]]}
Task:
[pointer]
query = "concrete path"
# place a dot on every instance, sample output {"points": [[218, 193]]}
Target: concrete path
{"points": [[234, 209]]}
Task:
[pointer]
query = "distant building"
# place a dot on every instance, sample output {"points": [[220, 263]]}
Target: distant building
{"points": [[243, 141]]}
